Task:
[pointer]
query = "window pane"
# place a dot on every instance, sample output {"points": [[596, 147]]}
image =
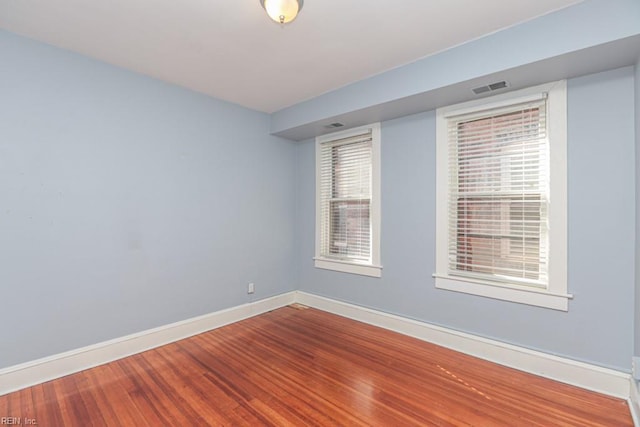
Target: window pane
{"points": [[498, 199], [500, 237], [350, 229], [351, 170]]}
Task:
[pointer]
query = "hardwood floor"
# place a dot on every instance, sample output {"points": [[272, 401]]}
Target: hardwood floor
{"points": [[301, 367]]}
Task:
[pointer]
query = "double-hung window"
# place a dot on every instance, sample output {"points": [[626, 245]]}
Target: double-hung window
{"points": [[348, 201], [501, 190]]}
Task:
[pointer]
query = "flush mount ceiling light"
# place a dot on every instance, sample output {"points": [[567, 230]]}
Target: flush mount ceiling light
{"points": [[282, 11]]}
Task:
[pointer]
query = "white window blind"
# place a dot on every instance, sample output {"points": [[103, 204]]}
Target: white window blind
{"points": [[345, 198], [499, 194]]}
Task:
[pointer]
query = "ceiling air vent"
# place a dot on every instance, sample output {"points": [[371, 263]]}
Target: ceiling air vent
{"points": [[490, 87], [334, 125]]}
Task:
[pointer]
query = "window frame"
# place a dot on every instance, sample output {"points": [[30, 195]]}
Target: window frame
{"points": [[554, 295], [365, 268]]}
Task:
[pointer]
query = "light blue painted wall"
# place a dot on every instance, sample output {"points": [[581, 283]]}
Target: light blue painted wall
{"points": [[127, 203], [601, 172], [584, 25], [636, 332]]}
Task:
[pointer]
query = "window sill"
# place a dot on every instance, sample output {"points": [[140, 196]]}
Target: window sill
{"points": [[348, 267], [513, 293]]}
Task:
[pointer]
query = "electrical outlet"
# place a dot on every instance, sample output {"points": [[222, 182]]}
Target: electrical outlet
{"points": [[251, 288]]}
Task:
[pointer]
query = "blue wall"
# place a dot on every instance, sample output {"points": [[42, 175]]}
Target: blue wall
{"points": [[601, 173], [127, 203], [636, 331]]}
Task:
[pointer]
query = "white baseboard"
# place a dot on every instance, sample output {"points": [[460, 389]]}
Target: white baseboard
{"points": [[634, 402], [591, 377], [584, 375], [38, 371]]}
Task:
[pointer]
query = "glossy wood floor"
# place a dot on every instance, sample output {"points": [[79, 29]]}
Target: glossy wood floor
{"points": [[299, 367]]}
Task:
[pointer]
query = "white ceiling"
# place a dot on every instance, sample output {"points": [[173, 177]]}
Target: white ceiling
{"points": [[230, 49]]}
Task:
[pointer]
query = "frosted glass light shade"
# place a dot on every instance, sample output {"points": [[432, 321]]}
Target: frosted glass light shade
{"points": [[282, 11]]}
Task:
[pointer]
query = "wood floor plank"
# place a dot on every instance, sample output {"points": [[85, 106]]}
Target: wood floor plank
{"points": [[296, 366]]}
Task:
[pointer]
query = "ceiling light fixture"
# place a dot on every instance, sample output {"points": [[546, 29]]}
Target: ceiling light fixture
{"points": [[282, 11]]}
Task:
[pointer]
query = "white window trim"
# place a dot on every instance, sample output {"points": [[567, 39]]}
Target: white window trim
{"points": [[374, 269], [555, 296]]}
